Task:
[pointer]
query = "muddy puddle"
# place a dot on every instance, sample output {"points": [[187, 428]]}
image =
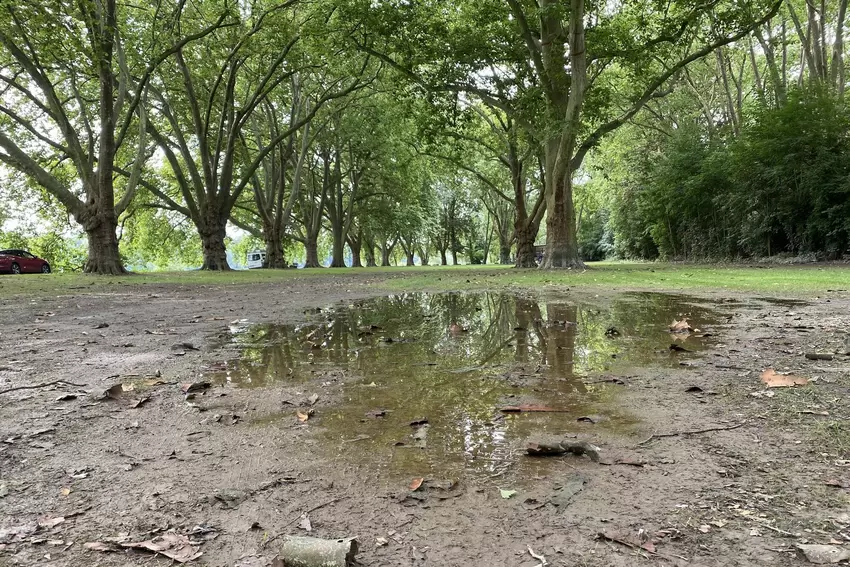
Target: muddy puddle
{"points": [[454, 360]]}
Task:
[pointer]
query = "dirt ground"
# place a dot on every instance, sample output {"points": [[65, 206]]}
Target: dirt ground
{"points": [[76, 470]]}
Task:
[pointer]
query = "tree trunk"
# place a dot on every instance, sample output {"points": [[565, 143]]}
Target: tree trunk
{"points": [[355, 245], [525, 257], [338, 257], [504, 254], [103, 257], [385, 256], [561, 241], [424, 256], [409, 256], [370, 255], [274, 249], [311, 247], [215, 253], [443, 260]]}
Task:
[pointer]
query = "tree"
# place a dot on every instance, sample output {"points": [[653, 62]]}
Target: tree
{"points": [[66, 119], [209, 94], [558, 68]]}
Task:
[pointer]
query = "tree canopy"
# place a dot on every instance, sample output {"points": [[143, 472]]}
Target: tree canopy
{"points": [[352, 132]]}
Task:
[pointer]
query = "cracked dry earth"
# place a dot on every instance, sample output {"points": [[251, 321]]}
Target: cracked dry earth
{"points": [[305, 425]]}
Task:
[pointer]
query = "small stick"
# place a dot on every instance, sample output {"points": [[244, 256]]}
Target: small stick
{"points": [[677, 433], [540, 558], [777, 530], [35, 386], [639, 548]]}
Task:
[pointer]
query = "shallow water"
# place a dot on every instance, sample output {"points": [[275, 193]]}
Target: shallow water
{"points": [[456, 359]]}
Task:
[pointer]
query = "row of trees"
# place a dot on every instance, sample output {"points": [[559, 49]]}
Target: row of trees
{"points": [[435, 129]]}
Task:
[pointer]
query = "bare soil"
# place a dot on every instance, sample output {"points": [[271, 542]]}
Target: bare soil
{"points": [[740, 496]]}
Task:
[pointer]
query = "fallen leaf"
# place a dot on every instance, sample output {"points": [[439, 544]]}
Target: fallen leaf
{"points": [[680, 326], [507, 493], [171, 545], [705, 528], [150, 382], [113, 393], [195, 387], [381, 541], [100, 546], [823, 554], [693, 389], [304, 416], [774, 380], [66, 397], [305, 523], [313, 399], [141, 402], [47, 522], [837, 483], [66, 491], [101, 326], [416, 483]]}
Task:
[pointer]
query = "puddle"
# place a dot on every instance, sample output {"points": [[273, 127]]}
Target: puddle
{"points": [[455, 359]]}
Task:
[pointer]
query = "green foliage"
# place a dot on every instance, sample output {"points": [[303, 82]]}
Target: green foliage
{"points": [[781, 187]]}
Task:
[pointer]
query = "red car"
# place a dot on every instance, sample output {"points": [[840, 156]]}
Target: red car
{"points": [[22, 262]]}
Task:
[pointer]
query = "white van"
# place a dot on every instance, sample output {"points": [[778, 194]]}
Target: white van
{"points": [[256, 259]]}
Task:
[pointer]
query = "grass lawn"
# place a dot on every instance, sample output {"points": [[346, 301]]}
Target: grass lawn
{"points": [[772, 280]]}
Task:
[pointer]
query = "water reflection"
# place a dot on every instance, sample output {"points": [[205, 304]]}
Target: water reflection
{"points": [[455, 358]]}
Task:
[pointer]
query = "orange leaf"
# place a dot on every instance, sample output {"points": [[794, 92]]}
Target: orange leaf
{"points": [[680, 326], [774, 380], [302, 416], [416, 483]]}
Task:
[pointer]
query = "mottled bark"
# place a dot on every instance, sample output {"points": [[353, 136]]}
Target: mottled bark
{"points": [[103, 257], [311, 248]]}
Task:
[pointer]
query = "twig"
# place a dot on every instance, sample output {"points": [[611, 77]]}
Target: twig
{"points": [[540, 558], [777, 530], [35, 386], [638, 547], [677, 433], [302, 514]]}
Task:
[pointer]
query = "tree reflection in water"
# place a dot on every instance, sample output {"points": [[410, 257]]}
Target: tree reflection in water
{"points": [[516, 348]]}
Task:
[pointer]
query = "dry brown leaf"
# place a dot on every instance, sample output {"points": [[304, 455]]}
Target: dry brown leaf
{"points": [[114, 392], [303, 416], [416, 483], [190, 387], [48, 522], [171, 545], [774, 380], [681, 326]]}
